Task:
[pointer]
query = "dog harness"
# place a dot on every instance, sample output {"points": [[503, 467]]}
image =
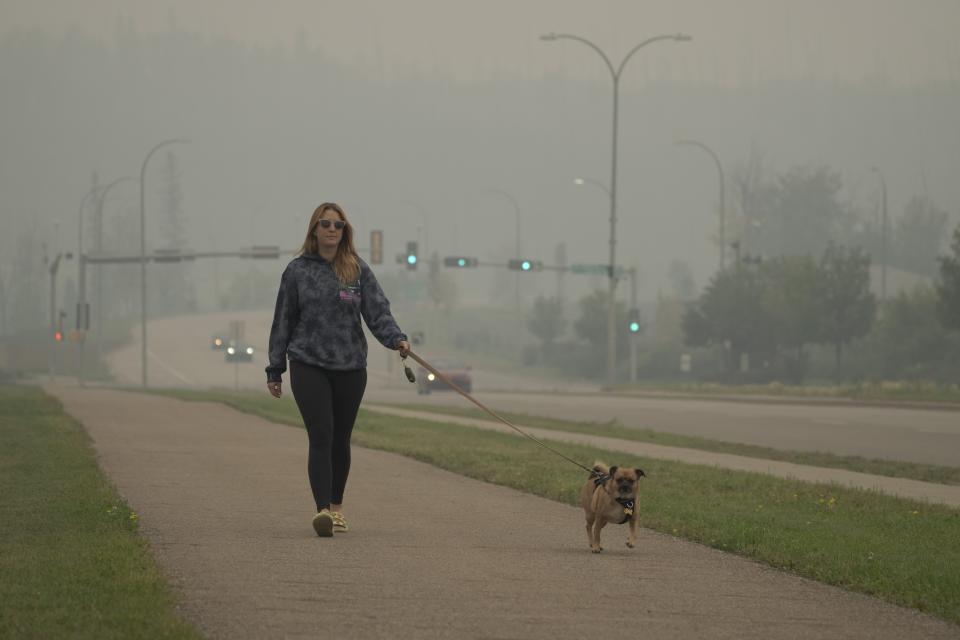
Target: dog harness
{"points": [[627, 505]]}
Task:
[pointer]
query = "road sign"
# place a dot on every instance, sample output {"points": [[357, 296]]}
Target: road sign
{"points": [[596, 269]]}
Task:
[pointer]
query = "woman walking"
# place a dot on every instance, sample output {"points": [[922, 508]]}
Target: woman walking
{"points": [[324, 292]]}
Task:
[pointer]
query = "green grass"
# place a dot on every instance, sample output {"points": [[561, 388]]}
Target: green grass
{"points": [[72, 564], [891, 468], [900, 550]]}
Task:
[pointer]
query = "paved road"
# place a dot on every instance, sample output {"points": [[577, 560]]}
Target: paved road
{"points": [[224, 503], [182, 358]]}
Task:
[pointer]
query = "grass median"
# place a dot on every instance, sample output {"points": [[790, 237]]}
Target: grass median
{"points": [[891, 468], [906, 391], [900, 550], [71, 562]]}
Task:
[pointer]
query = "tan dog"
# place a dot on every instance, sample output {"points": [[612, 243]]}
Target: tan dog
{"points": [[610, 496]]}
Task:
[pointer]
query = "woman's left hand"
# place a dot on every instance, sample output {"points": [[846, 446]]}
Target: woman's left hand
{"points": [[403, 347]]}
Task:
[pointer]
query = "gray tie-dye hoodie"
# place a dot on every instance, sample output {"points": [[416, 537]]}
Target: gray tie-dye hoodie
{"points": [[317, 319]]}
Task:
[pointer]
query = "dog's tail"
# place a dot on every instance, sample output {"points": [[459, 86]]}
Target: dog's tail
{"points": [[600, 468]]}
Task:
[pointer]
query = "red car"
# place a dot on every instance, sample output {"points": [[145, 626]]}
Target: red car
{"points": [[459, 374]]}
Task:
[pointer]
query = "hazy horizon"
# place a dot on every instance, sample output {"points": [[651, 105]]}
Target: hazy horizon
{"points": [[736, 43]]}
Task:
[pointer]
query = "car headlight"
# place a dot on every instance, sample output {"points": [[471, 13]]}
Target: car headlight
{"points": [[431, 377], [231, 350], [249, 351]]}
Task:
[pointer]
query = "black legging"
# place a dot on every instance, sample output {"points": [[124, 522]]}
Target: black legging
{"points": [[328, 402]]}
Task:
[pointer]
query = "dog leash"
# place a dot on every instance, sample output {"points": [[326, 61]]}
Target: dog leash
{"points": [[423, 363]]}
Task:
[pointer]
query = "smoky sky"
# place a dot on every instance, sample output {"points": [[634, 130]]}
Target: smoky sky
{"points": [[736, 41], [415, 114]]}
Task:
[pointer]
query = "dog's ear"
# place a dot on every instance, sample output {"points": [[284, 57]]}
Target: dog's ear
{"points": [[612, 471], [640, 473]]}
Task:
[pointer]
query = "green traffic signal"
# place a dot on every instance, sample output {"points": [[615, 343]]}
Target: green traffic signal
{"points": [[633, 320], [461, 262], [525, 265]]}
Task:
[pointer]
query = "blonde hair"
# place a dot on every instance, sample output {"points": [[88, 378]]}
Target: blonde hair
{"points": [[345, 263]]}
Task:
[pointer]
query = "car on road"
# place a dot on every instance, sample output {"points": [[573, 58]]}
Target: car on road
{"points": [[239, 352], [458, 373]]}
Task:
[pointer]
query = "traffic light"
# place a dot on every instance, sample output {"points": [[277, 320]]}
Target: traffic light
{"points": [[633, 320], [411, 256], [58, 334], [525, 265], [461, 262]]}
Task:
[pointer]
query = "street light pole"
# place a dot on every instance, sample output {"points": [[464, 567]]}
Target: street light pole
{"points": [[883, 236], [81, 282], [615, 75], [98, 247], [722, 196], [143, 259]]}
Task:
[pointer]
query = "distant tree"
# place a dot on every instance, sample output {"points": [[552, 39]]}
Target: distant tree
{"points": [[754, 196], [730, 312], [546, 321], [792, 304], [918, 236], [591, 326], [807, 211], [29, 282], [172, 291], [948, 285], [680, 277], [910, 340], [848, 306]]}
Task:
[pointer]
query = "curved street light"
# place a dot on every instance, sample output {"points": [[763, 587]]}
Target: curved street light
{"points": [[722, 195], [596, 183], [615, 74], [100, 193], [143, 257]]}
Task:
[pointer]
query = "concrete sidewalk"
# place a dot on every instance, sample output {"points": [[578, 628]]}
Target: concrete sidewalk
{"points": [[901, 487], [224, 502]]}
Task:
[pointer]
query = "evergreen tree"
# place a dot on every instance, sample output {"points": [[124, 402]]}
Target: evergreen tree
{"points": [[848, 306], [948, 285], [918, 237], [171, 290], [546, 321]]}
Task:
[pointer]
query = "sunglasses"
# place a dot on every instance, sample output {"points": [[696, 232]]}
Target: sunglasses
{"points": [[337, 224]]}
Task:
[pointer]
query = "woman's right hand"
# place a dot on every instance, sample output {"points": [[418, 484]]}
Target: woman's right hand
{"points": [[274, 389]]}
